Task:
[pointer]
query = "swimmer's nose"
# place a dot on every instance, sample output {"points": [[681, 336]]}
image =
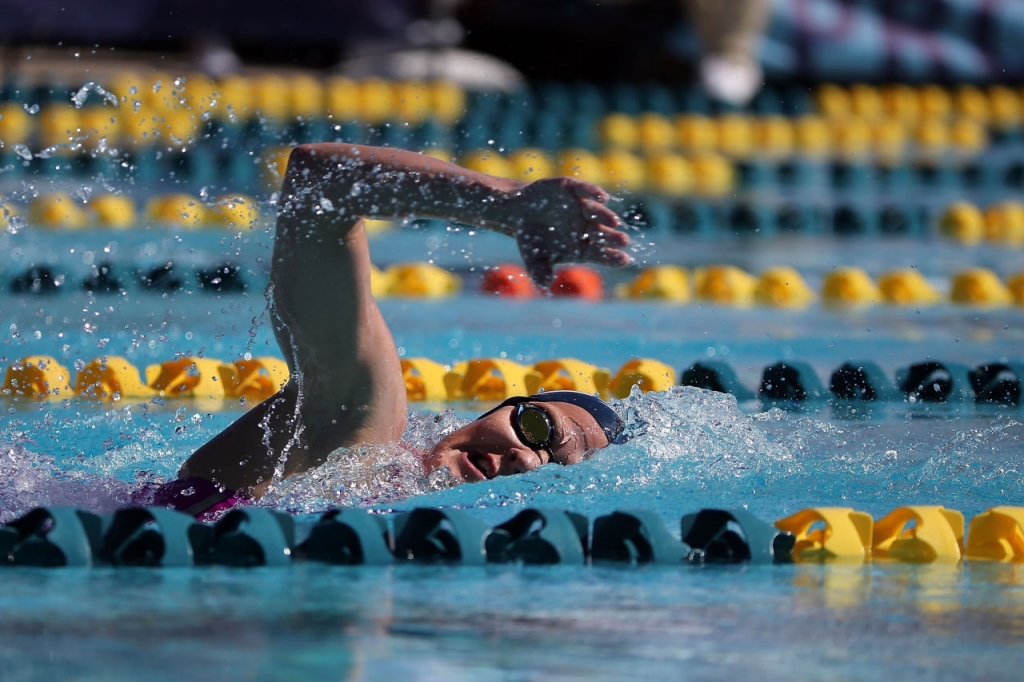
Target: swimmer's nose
{"points": [[518, 461]]}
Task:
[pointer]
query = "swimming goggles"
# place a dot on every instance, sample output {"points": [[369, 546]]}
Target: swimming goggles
{"points": [[608, 419], [533, 427]]}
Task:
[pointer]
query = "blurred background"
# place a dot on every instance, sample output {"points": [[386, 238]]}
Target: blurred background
{"points": [[762, 121], [871, 40]]}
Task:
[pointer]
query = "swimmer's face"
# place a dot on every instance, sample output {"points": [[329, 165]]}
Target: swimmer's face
{"points": [[491, 447]]}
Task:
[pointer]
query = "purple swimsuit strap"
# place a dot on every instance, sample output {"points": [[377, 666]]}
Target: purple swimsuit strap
{"points": [[195, 496]]}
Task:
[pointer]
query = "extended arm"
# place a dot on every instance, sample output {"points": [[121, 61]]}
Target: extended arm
{"points": [[347, 384]]}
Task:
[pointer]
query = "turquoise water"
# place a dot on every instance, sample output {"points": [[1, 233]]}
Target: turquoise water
{"points": [[513, 622]]}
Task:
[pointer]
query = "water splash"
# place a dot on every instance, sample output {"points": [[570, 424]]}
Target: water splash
{"points": [[698, 449], [29, 479], [16, 223], [98, 461], [23, 151], [370, 474], [701, 450], [80, 97]]}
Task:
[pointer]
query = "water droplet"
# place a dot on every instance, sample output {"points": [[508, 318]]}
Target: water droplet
{"points": [[16, 224], [23, 151], [82, 95]]}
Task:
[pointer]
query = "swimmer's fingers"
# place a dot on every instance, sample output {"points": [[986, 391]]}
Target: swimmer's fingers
{"points": [[588, 191], [602, 243], [600, 215], [605, 255], [542, 251]]}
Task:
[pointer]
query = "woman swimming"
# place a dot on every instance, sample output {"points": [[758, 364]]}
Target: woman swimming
{"points": [[346, 385]]}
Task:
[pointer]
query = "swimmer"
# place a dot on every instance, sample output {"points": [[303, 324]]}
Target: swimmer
{"points": [[346, 386]]}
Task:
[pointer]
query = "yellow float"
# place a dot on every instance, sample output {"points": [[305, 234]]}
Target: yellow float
{"points": [[111, 378], [113, 210], [829, 534], [568, 374], [962, 221], [58, 209], [849, 286], [668, 174], [424, 379], [907, 287], [981, 287], [1004, 223], [235, 211], [254, 379], [176, 210], [188, 377], [488, 380], [421, 280], [919, 534], [997, 535], [662, 282], [724, 285], [37, 376], [647, 373], [782, 287]]}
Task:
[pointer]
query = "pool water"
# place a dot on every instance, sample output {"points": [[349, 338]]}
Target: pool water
{"points": [[700, 449]]}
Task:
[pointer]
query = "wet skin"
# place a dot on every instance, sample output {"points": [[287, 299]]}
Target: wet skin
{"points": [[347, 385], [489, 447]]}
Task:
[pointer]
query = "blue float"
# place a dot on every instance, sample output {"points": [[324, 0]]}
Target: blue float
{"points": [[715, 375], [251, 536], [540, 536], [791, 381], [732, 536], [862, 381], [153, 536], [635, 536], [935, 382], [347, 537], [440, 536], [998, 383], [51, 537]]}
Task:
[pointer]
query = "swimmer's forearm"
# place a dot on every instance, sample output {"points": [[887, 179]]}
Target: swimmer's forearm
{"points": [[381, 182]]}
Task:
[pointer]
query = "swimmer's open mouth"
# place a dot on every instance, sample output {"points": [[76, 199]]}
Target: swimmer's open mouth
{"points": [[483, 463]]}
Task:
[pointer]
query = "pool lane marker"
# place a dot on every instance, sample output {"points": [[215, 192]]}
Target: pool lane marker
{"points": [[217, 383], [255, 536]]}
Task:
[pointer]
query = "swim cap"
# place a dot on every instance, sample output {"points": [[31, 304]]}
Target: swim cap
{"points": [[603, 414]]}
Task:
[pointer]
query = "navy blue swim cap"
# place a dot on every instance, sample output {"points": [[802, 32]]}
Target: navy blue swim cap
{"points": [[603, 414]]}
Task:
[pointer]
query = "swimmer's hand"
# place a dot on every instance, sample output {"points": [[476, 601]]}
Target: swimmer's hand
{"points": [[564, 220]]}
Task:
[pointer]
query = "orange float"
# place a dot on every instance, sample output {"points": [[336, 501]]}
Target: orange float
{"points": [[509, 281], [578, 281]]}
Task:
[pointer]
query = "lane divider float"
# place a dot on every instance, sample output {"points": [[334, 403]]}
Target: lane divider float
{"points": [[114, 378], [252, 536], [725, 285]]}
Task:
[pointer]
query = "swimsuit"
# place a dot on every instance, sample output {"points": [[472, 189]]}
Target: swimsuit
{"points": [[197, 497]]}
